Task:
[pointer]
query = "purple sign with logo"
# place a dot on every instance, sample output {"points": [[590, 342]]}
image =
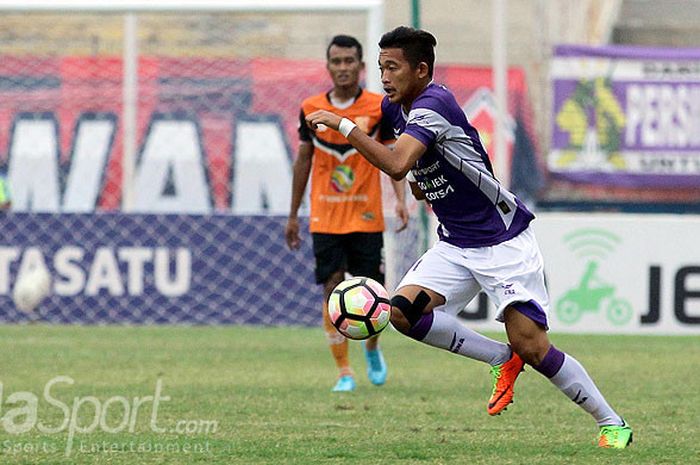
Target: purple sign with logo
{"points": [[628, 116]]}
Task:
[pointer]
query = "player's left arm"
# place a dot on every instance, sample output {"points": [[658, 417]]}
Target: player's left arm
{"points": [[396, 163], [413, 184]]}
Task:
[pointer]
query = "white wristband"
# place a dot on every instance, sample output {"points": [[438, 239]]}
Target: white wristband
{"points": [[346, 126]]}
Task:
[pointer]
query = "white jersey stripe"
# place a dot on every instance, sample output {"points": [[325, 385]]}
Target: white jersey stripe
{"points": [[451, 141]]}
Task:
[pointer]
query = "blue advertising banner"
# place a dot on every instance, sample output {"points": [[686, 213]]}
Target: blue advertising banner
{"points": [[181, 269], [626, 116]]}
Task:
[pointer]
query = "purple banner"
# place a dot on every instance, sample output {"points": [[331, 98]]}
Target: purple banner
{"points": [[627, 116]]}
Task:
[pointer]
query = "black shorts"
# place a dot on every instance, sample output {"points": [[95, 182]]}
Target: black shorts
{"points": [[360, 254]]}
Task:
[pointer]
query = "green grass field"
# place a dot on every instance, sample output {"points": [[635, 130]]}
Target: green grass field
{"points": [[267, 389]]}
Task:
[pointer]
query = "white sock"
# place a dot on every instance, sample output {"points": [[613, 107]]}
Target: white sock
{"points": [[446, 332], [573, 380]]}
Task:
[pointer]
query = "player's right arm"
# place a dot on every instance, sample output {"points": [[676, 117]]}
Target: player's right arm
{"points": [[300, 177], [396, 163]]}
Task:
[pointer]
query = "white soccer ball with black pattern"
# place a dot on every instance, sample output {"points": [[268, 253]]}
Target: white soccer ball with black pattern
{"points": [[359, 308]]}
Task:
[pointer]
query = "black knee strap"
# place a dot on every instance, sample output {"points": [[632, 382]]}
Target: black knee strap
{"points": [[413, 311]]}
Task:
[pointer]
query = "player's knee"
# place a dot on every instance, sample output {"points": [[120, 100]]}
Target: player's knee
{"points": [[399, 321], [405, 313]]}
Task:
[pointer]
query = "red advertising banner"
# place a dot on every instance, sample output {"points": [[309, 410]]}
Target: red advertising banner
{"points": [[213, 134]]}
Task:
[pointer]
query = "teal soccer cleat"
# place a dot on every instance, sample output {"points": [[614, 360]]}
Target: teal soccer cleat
{"points": [[376, 366], [344, 384]]}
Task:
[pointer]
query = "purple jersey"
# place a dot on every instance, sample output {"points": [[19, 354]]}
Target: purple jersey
{"points": [[455, 173]]}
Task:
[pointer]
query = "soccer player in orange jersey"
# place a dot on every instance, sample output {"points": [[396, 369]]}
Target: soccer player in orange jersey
{"points": [[346, 219]]}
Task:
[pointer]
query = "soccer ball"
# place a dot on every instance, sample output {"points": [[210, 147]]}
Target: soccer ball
{"points": [[359, 308], [31, 288]]}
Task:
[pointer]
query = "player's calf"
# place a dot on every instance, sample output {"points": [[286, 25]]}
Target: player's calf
{"points": [[526, 337]]}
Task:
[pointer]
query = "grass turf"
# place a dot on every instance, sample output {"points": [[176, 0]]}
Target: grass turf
{"points": [[268, 391]]}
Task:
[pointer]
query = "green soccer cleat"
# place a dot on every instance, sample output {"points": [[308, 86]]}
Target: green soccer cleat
{"points": [[344, 384], [615, 437]]}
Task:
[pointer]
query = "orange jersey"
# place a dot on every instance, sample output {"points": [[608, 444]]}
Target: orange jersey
{"points": [[346, 193]]}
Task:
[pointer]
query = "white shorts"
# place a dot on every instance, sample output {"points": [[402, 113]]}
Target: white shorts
{"points": [[510, 272]]}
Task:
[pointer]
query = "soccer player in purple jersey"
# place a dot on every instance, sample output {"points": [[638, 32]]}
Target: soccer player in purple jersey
{"points": [[485, 239]]}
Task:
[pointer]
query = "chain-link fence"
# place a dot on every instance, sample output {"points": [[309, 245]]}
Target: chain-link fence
{"points": [[216, 132]]}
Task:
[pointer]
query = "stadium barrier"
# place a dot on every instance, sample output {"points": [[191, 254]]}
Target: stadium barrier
{"points": [[626, 274], [116, 268], [182, 269]]}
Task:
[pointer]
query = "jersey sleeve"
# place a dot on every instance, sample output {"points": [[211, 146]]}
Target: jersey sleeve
{"points": [[423, 125], [426, 120], [304, 131]]}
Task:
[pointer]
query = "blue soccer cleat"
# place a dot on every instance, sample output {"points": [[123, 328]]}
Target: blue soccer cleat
{"points": [[344, 384], [376, 366]]}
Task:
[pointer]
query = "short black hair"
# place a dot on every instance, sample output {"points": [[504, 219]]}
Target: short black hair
{"points": [[417, 45], [344, 41]]}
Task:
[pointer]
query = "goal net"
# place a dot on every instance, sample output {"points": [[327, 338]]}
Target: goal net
{"points": [[149, 153]]}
